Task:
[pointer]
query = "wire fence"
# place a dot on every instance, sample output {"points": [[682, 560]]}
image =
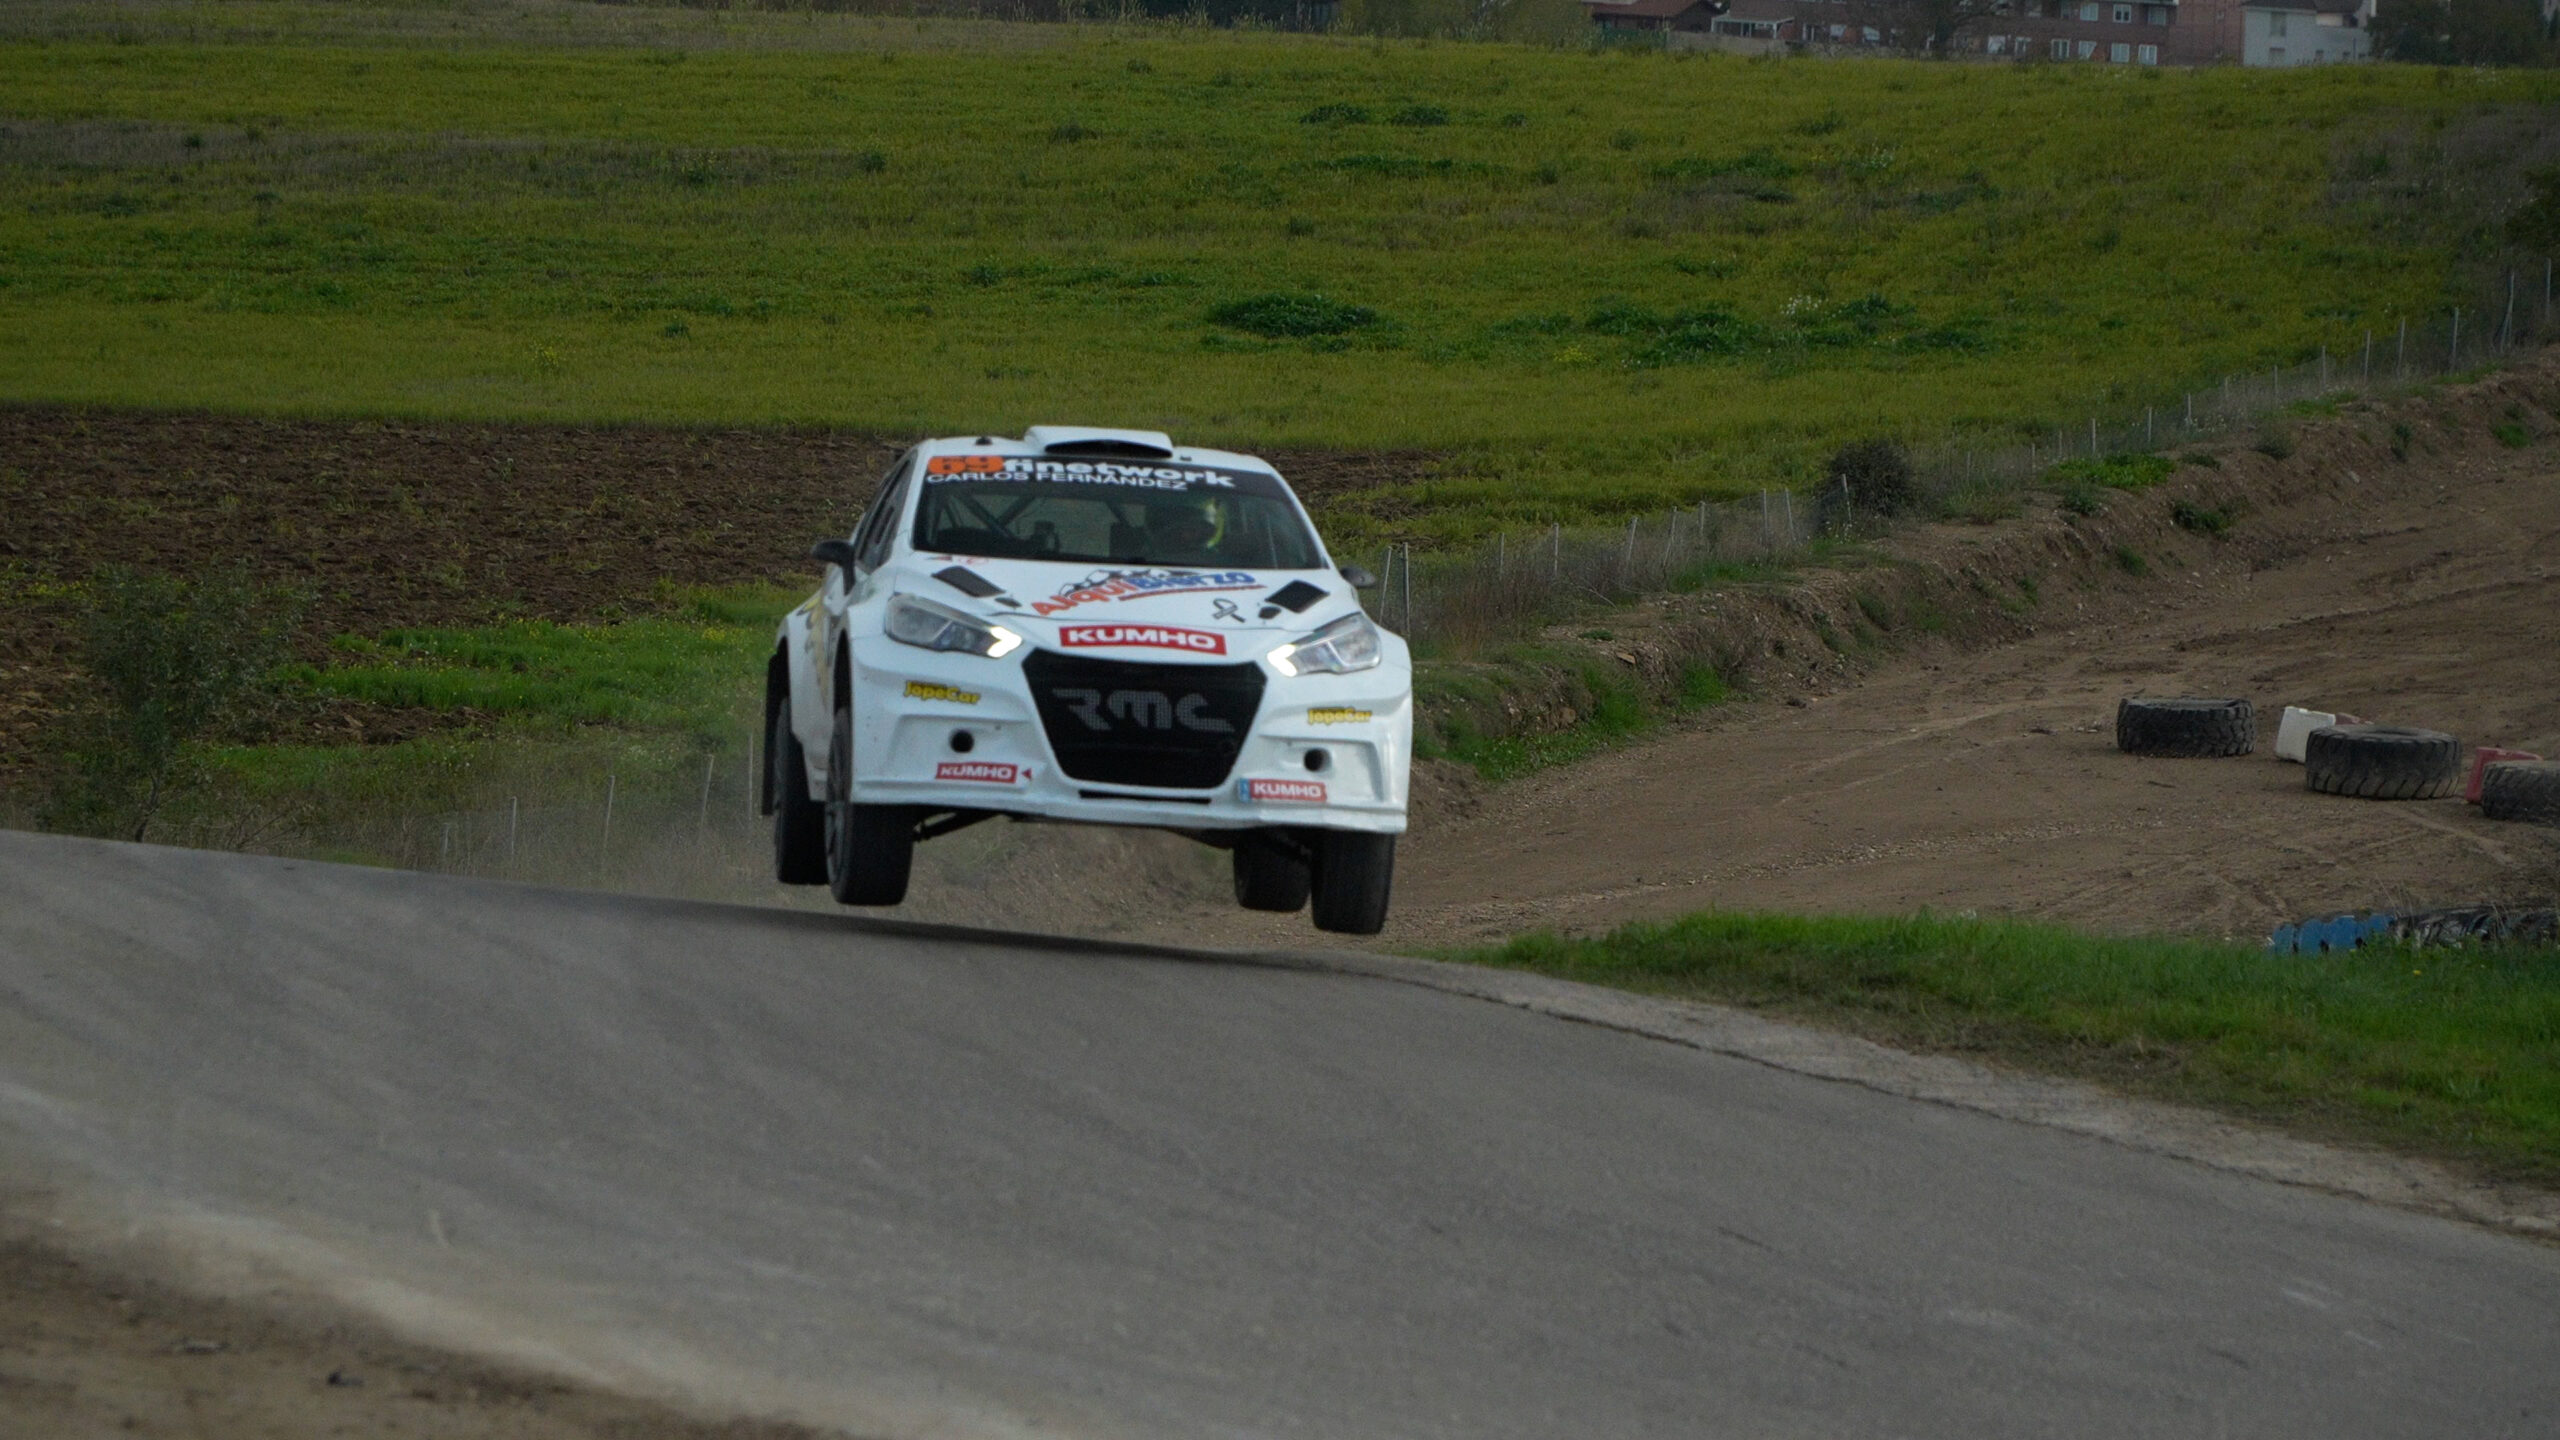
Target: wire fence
{"points": [[695, 834], [1453, 601]]}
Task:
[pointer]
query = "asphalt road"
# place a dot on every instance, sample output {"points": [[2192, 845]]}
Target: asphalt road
{"points": [[952, 1184]]}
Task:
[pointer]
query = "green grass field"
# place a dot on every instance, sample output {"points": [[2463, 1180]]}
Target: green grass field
{"points": [[2449, 1052], [1599, 281]]}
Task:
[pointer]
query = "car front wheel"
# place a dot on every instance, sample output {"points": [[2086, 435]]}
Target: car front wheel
{"points": [[870, 848], [1353, 872]]}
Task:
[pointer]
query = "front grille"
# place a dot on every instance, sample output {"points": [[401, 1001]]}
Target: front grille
{"points": [[1119, 722]]}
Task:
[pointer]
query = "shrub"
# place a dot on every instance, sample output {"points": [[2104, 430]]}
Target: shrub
{"points": [[2512, 435], [2275, 442], [2130, 561], [2200, 520], [1878, 475], [1336, 114], [174, 661], [1283, 316], [1419, 115], [2115, 472]]}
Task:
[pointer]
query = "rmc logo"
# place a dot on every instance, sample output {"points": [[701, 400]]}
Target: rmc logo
{"points": [[1142, 710]]}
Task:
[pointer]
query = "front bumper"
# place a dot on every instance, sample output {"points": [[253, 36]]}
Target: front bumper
{"points": [[913, 708]]}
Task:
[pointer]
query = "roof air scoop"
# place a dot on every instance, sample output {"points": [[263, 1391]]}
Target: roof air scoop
{"points": [[1104, 444]]}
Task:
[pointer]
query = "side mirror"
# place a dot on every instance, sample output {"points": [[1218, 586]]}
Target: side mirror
{"points": [[1360, 579], [834, 552]]}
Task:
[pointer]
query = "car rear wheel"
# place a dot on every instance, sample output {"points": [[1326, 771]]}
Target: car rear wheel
{"points": [[1270, 874], [870, 848], [1353, 873], [799, 823]]}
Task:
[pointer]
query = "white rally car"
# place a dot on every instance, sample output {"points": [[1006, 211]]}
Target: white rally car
{"points": [[1095, 626]]}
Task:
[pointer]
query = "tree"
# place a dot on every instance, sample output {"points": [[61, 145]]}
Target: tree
{"points": [[2461, 32], [175, 661], [1930, 26]]}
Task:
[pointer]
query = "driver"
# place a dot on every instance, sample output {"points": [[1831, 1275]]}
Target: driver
{"points": [[1182, 531]]}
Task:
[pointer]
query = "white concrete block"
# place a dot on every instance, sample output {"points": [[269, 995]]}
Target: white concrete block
{"points": [[2293, 733]]}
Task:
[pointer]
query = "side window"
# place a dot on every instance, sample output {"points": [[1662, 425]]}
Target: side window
{"points": [[879, 528]]}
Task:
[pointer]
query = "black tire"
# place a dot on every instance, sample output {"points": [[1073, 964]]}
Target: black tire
{"points": [[2187, 728], [1353, 873], [1271, 874], [2382, 762], [799, 823], [870, 848], [2526, 790]]}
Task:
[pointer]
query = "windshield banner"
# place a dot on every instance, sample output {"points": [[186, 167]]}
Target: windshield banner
{"points": [[943, 469]]}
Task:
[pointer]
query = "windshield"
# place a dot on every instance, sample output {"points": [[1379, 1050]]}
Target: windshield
{"points": [[1106, 512]]}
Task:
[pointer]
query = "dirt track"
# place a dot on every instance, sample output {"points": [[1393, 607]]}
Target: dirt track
{"points": [[1985, 778]]}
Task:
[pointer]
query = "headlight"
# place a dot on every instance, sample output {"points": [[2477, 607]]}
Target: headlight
{"points": [[1348, 644], [937, 627]]}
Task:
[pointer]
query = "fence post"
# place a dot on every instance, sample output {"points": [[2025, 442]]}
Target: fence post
{"points": [[1768, 536], [1787, 502], [604, 844], [1627, 567], [2402, 364], [2324, 369], [2368, 355], [752, 774], [2191, 409], [1555, 563], [511, 832], [2453, 354], [2507, 327], [702, 826], [1408, 589], [2093, 437], [2146, 427], [1498, 548]]}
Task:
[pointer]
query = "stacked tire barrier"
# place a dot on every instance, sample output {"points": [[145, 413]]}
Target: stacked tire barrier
{"points": [[2382, 762], [2186, 728], [2454, 925], [2525, 790]]}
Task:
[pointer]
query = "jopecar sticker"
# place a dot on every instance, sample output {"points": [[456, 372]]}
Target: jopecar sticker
{"points": [[1160, 637], [1309, 792], [927, 690], [1337, 715]]}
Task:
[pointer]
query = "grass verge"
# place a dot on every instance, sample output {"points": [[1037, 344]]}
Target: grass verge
{"points": [[2450, 1053]]}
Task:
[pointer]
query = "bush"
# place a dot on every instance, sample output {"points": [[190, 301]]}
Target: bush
{"points": [[175, 661], [1878, 475], [2116, 472], [2199, 519], [1290, 317]]}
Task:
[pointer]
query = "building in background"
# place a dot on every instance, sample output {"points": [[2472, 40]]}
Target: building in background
{"points": [[2283, 33], [2102, 32]]}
